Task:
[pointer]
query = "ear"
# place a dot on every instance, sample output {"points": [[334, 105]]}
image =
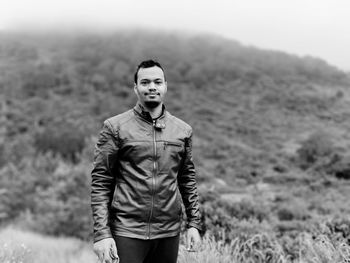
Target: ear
{"points": [[135, 89], [166, 87]]}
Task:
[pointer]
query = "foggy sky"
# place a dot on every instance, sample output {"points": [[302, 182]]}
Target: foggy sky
{"points": [[318, 28]]}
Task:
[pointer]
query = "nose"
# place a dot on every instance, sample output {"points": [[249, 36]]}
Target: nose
{"points": [[151, 87]]}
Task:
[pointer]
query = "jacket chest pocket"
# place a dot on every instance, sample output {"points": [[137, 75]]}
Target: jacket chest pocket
{"points": [[172, 144], [171, 155]]}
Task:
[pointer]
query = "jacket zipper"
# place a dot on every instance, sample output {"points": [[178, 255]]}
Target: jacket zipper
{"points": [[153, 177]]}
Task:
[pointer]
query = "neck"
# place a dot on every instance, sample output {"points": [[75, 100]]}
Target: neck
{"points": [[154, 112]]}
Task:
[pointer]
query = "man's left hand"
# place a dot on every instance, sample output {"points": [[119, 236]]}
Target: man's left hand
{"points": [[193, 239]]}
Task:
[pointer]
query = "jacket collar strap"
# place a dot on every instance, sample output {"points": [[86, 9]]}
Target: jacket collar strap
{"points": [[145, 114]]}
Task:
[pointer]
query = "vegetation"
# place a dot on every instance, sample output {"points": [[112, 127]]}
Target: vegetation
{"points": [[270, 137], [18, 246], [22, 246]]}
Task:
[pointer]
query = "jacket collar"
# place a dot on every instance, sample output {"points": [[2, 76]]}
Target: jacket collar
{"points": [[160, 122]]}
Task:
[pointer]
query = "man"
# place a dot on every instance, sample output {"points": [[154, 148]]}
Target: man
{"points": [[142, 168]]}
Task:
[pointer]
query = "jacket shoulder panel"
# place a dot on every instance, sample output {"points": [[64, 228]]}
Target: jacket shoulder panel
{"points": [[118, 120], [181, 124]]}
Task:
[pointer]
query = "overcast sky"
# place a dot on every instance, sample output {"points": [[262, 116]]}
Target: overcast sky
{"points": [[319, 28]]}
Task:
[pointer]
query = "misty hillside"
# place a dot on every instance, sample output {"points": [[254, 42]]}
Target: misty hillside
{"points": [[271, 130], [245, 104]]}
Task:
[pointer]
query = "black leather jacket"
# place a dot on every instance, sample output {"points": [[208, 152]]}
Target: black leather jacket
{"points": [[142, 168]]}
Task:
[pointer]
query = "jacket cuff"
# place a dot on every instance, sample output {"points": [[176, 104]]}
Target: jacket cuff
{"points": [[191, 224], [103, 234]]}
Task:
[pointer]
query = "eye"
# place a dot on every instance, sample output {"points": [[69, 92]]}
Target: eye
{"points": [[158, 82]]}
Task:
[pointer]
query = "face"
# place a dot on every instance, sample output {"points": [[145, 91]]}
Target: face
{"points": [[151, 86]]}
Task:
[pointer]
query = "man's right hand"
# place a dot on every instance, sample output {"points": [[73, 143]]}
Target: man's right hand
{"points": [[106, 250]]}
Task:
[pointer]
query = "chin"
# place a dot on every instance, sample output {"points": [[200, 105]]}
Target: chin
{"points": [[152, 104]]}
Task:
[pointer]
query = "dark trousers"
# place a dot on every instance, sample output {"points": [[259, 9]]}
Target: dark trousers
{"points": [[133, 250]]}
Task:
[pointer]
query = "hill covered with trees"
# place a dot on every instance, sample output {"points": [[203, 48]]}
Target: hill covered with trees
{"points": [[271, 130]]}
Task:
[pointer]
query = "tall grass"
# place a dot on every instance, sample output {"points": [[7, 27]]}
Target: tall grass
{"points": [[18, 246], [259, 248], [264, 249]]}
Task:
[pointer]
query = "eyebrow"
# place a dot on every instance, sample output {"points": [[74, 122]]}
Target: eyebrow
{"points": [[150, 79]]}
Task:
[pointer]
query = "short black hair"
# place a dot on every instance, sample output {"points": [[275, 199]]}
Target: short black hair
{"points": [[147, 64]]}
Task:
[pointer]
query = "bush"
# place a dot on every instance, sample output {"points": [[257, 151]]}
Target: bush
{"points": [[63, 139], [223, 218], [48, 195], [339, 229], [293, 211], [341, 169], [317, 148], [63, 208]]}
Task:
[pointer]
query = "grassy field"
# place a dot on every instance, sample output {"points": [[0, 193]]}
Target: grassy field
{"points": [[17, 246]]}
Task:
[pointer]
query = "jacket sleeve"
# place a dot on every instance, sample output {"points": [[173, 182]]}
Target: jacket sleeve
{"points": [[102, 181], [188, 186]]}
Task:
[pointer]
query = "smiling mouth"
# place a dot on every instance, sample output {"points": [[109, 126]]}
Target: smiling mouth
{"points": [[152, 94]]}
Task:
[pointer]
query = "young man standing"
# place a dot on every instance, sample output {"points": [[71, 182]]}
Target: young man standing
{"points": [[142, 169]]}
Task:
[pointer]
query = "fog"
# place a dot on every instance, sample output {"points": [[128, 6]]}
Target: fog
{"points": [[303, 27]]}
